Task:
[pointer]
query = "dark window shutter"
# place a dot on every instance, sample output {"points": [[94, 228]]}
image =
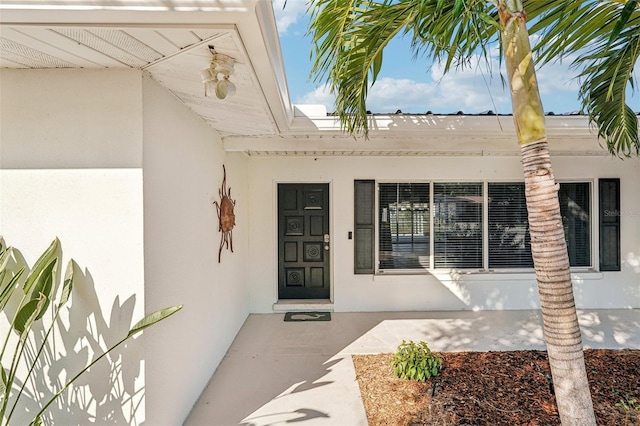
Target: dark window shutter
{"points": [[364, 208], [609, 192]]}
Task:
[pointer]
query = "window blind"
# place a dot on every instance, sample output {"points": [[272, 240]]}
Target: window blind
{"points": [[403, 225], [457, 225], [509, 239], [575, 207]]}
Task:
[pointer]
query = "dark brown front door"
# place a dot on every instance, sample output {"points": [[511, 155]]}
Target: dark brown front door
{"points": [[303, 241]]}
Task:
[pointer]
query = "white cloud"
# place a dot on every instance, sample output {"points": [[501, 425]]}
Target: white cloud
{"points": [[476, 88], [390, 94], [287, 13], [320, 96], [557, 77], [472, 90]]}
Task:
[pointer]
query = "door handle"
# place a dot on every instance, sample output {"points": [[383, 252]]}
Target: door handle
{"points": [[326, 241]]}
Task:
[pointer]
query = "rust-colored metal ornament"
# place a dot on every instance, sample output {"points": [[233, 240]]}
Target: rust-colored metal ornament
{"points": [[226, 216]]}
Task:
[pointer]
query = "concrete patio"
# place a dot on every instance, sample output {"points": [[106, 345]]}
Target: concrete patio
{"points": [[278, 372]]}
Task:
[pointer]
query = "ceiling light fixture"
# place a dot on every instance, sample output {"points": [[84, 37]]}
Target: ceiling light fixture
{"points": [[221, 64]]}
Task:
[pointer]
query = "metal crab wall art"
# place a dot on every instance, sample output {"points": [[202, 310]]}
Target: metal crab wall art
{"points": [[226, 216]]}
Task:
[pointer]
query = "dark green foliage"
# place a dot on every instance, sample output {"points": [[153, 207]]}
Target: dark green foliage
{"points": [[415, 361]]}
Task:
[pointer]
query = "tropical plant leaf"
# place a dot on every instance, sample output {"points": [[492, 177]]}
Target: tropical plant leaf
{"points": [[625, 15], [349, 38], [43, 287], [36, 422], [4, 257], [49, 254], [153, 318], [458, 8], [27, 314], [67, 284], [6, 291], [490, 20], [3, 380]]}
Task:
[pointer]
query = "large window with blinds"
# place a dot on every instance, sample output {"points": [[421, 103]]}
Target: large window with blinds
{"points": [[509, 241], [463, 225]]}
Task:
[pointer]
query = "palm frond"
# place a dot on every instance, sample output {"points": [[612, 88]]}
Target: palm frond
{"points": [[606, 77], [349, 39], [454, 31], [605, 37]]}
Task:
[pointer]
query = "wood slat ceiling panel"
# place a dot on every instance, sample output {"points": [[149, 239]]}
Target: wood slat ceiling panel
{"points": [[173, 56], [106, 47], [127, 43], [28, 57], [180, 38], [154, 39], [57, 45]]}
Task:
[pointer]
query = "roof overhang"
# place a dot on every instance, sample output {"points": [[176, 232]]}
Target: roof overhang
{"points": [[170, 40], [315, 134]]}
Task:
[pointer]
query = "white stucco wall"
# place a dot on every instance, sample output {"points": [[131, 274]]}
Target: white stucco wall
{"points": [[125, 176], [183, 160], [71, 167], [442, 290]]}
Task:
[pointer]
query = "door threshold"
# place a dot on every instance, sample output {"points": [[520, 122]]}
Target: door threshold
{"points": [[303, 305]]}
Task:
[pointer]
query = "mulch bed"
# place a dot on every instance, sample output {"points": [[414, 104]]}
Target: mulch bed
{"points": [[496, 388]]}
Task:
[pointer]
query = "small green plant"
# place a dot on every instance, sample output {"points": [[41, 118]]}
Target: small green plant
{"points": [[629, 406], [415, 361], [31, 293]]}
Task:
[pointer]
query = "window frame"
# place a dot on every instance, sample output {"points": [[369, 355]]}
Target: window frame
{"points": [[377, 269], [594, 235]]}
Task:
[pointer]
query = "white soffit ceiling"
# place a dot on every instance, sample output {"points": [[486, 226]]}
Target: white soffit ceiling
{"points": [[168, 39]]}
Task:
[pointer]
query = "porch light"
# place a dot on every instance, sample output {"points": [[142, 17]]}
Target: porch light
{"points": [[221, 65]]}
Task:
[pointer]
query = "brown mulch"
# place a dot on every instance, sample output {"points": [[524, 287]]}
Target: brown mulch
{"points": [[496, 388]]}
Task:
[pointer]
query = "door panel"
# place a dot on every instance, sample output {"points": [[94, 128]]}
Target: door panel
{"points": [[303, 246]]}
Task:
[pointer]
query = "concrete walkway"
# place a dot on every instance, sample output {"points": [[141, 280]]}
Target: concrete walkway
{"points": [[278, 373]]}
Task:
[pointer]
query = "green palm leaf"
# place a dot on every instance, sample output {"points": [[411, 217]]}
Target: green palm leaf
{"points": [[606, 37], [349, 39]]}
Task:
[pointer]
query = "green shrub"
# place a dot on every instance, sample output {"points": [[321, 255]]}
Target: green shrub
{"points": [[415, 361]]}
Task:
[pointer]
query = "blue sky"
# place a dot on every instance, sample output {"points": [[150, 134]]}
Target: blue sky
{"points": [[414, 86]]}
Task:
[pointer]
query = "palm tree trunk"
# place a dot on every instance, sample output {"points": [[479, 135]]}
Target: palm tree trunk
{"points": [[551, 261], [548, 246]]}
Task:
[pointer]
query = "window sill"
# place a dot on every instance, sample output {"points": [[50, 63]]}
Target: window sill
{"points": [[481, 275]]}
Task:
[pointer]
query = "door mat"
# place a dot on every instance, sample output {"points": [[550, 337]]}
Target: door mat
{"points": [[307, 316]]}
